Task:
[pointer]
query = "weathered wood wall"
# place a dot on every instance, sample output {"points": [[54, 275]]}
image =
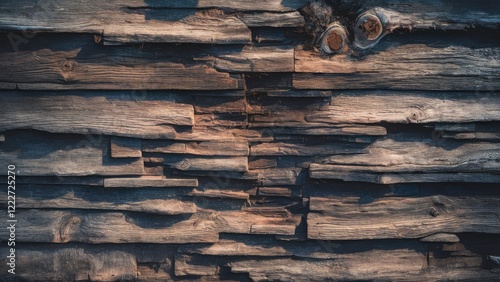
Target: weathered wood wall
{"points": [[216, 140]]}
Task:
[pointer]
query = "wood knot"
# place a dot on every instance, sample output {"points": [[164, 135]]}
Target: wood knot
{"points": [[333, 39], [68, 65], [434, 212], [368, 29], [68, 227], [183, 165], [416, 116]]}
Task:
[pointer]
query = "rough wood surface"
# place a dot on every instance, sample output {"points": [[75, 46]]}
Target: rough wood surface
{"points": [[125, 147], [98, 198], [257, 59], [58, 70], [149, 181], [69, 114], [111, 227], [290, 19], [347, 219], [375, 107], [42, 155], [400, 67], [215, 148]]}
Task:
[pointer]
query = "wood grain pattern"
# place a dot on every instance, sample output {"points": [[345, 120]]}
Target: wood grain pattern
{"points": [[406, 217]]}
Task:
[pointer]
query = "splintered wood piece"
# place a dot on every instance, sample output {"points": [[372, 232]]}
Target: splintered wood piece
{"points": [[45, 226], [241, 5], [149, 181], [257, 59], [390, 106], [346, 218], [220, 193], [71, 114], [266, 19], [158, 201], [36, 154], [125, 147], [209, 148], [58, 70], [399, 67]]}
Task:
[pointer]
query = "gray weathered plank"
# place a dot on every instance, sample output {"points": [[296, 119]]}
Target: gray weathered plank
{"points": [[345, 218], [289, 149]]}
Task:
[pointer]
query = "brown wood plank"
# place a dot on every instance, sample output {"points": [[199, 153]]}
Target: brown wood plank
{"points": [[345, 218], [248, 222], [119, 24], [289, 19], [70, 114], [79, 197], [410, 155], [209, 148], [242, 5], [58, 70], [36, 154], [184, 266], [125, 147], [149, 181], [72, 264], [289, 149], [229, 164], [110, 227], [257, 59], [450, 68], [395, 107]]}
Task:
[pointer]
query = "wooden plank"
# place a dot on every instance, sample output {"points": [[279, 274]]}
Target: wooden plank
{"points": [[280, 176], [260, 163], [289, 149], [71, 264], [396, 107], [375, 264], [410, 155], [119, 24], [81, 197], [400, 67], [220, 193], [289, 19], [125, 147], [242, 5], [249, 222], [441, 237], [213, 104], [36, 154], [209, 148], [346, 218], [291, 92], [44, 226], [58, 70], [186, 265], [194, 27], [280, 191], [230, 164], [204, 133], [247, 247], [257, 59], [111, 116], [149, 181]]}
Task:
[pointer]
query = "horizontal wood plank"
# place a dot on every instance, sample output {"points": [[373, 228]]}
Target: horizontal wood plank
{"points": [[257, 59], [149, 181], [346, 218], [110, 227]]}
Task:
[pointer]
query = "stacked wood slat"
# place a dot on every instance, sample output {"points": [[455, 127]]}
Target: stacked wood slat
{"points": [[214, 140]]}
